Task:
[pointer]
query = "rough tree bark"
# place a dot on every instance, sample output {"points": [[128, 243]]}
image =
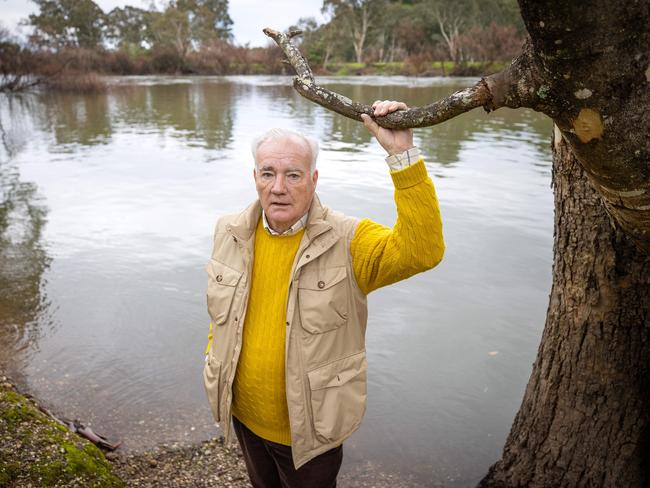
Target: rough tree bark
{"points": [[585, 416]]}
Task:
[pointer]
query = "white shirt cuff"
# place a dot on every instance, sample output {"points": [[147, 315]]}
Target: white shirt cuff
{"points": [[403, 160]]}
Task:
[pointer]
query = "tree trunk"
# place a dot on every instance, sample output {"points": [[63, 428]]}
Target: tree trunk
{"points": [[359, 34], [326, 60], [391, 57], [585, 417]]}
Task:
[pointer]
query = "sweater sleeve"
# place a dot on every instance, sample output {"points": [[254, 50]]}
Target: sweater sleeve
{"points": [[381, 255]]}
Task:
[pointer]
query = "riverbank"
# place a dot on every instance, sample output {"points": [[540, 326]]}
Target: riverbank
{"points": [[82, 71], [38, 451], [425, 67]]}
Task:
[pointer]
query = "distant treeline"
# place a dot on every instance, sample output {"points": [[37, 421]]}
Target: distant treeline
{"points": [[465, 32], [73, 37]]}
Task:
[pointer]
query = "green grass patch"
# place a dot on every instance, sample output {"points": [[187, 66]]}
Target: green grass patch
{"points": [[37, 450]]}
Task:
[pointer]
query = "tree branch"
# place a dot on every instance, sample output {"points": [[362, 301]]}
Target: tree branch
{"points": [[513, 87]]}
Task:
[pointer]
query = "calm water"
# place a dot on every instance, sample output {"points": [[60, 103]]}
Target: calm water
{"points": [[107, 206]]}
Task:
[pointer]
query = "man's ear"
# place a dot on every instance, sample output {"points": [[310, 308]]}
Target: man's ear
{"points": [[315, 177]]}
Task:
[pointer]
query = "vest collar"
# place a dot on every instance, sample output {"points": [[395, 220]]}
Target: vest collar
{"points": [[245, 223]]}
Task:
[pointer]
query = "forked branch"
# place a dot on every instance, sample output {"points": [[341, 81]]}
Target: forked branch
{"points": [[514, 87]]}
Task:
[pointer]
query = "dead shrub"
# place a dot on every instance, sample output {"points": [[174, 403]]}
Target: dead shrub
{"points": [[167, 61], [120, 63], [492, 43], [418, 64], [77, 82]]}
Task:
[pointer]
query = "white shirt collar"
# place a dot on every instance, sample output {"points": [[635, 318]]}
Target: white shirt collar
{"points": [[290, 231]]}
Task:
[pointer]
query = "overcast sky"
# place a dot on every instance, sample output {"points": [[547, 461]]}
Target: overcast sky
{"points": [[249, 16]]}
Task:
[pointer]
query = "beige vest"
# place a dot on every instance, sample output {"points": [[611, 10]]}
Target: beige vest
{"points": [[326, 324]]}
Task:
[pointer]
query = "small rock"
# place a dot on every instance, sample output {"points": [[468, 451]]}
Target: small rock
{"points": [[112, 456]]}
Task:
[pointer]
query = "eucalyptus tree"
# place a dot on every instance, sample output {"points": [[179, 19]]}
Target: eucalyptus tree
{"points": [[209, 20], [129, 27], [184, 25], [360, 19], [67, 23]]}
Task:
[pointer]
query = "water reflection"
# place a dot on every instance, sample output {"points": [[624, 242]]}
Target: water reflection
{"points": [[198, 113], [133, 181], [77, 120], [23, 258]]}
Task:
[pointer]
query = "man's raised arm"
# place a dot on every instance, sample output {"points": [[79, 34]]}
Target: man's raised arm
{"points": [[382, 255]]}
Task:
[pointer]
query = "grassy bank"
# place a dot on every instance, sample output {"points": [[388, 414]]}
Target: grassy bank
{"points": [[35, 450], [83, 70], [92, 82], [411, 68]]}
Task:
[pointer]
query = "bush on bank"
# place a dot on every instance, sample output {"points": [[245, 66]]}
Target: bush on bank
{"points": [[81, 70]]}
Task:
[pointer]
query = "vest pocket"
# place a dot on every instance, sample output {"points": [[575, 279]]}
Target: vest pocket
{"points": [[222, 284], [323, 299], [212, 384], [338, 396]]}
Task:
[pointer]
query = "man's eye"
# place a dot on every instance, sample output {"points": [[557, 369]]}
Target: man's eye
{"points": [[294, 176], [267, 174]]}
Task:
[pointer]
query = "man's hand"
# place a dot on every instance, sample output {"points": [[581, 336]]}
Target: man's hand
{"points": [[393, 140]]}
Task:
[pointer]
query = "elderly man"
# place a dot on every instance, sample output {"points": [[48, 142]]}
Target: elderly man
{"points": [[288, 280]]}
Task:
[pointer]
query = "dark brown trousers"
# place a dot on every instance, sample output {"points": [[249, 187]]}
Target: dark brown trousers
{"points": [[270, 464]]}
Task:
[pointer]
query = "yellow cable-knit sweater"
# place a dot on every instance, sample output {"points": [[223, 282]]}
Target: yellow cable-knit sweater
{"points": [[380, 256], [259, 399]]}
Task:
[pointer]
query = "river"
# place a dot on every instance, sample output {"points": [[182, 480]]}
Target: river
{"points": [[107, 206]]}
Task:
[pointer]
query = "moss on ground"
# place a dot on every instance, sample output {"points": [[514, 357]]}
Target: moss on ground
{"points": [[35, 450]]}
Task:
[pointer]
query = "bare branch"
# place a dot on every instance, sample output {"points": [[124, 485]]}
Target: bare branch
{"points": [[513, 87], [457, 103], [294, 56]]}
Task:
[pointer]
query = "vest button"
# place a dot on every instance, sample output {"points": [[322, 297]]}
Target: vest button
{"points": [[321, 284], [234, 238], [307, 256], [219, 278]]}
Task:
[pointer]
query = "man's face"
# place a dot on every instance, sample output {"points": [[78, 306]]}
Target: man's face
{"points": [[283, 181]]}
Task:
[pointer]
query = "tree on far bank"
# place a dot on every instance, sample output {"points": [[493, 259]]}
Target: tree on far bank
{"points": [[395, 30], [209, 20], [170, 29], [180, 24], [67, 23], [129, 27], [320, 42], [360, 18], [184, 25]]}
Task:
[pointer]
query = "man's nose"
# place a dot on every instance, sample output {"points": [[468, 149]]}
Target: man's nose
{"points": [[279, 185]]}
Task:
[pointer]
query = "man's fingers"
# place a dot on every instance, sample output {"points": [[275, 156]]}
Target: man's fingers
{"points": [[387, 106], [370, 124], [381, 107]]}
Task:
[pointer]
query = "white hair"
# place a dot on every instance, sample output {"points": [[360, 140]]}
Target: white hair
{"points": [[280, 134]]}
